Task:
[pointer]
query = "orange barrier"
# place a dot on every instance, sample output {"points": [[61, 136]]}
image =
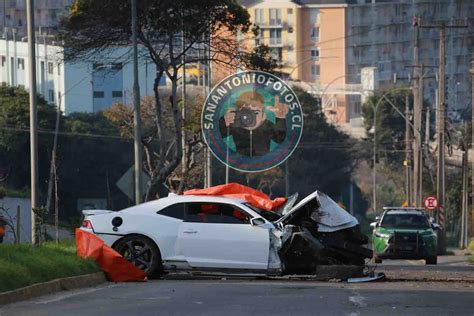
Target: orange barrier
{"points": [[235, 190], [116, 267]]}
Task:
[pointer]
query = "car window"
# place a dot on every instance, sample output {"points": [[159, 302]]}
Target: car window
{"points": [[268, 215], [216, 213], [175, 211], [415, 221]]}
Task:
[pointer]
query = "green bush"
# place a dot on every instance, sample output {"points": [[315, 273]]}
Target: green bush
{"points": [[470, 247]]}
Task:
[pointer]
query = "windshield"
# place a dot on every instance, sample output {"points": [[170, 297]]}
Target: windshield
{"points": [[268, 215], [416, 221]]}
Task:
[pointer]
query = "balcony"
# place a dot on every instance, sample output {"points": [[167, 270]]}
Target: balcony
{"points": [[275, 42], [278, 24]]}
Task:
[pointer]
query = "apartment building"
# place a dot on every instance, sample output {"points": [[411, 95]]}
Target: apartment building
{"points": [[47, 15], [76, 87], [340, 49]]}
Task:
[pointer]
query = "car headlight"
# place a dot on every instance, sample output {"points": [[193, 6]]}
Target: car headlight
{"points": [[380, 235]]}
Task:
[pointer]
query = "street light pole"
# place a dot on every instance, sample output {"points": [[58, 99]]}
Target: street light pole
{"points": [[472, 145], [374, 171], [30, 15], [136, 109]]}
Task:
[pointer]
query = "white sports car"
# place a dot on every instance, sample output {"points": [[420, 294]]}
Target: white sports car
{"points": [[218, 234]]}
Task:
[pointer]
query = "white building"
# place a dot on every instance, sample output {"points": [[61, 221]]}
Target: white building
{"points": [[47, 14], [77, 87]]}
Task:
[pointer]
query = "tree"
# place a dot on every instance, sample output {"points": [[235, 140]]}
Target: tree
{"points": [[93, 27], [15, 138], [390, 128], [325, 157]]}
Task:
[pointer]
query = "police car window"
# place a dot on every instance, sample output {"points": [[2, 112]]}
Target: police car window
{"points": [[175, 211]]}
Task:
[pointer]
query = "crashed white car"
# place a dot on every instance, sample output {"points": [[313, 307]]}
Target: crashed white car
{"points": [[218, 234]]}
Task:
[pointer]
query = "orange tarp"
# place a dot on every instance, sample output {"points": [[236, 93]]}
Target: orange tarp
{"points": [[235, 190], [116, 267]]}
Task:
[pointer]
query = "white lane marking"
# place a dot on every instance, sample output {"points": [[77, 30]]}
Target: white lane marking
{"points": [[61, 297], [358, 300]]}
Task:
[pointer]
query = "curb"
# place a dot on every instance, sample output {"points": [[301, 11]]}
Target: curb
{"points": [[63, 284]]}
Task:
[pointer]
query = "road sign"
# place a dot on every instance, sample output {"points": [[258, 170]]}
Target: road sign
{"points": [[125, 183], [430, 202]]}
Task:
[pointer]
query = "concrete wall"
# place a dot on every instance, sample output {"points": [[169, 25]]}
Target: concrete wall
{"points": [[10, 205]]}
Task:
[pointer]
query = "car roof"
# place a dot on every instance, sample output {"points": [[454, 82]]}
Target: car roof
{"points": [[174, 198], [387, 208], [405, 211]]}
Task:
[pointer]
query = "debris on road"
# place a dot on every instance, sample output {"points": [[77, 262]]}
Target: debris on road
{"points": [[369, 278]]}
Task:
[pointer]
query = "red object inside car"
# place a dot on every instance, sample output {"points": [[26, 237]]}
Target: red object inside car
{"points": [[235, 190]]}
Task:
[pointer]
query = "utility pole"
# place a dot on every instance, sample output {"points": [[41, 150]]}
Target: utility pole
{"points": [[136, 109], [408, 152], [472, 146], [184, 166], [465, 194], [417, 105], [440, 185], [209, 78], [30, 16]]}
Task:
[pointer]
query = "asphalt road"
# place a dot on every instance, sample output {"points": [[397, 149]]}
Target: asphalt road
{"points": [[179, 295], [253, 297]]}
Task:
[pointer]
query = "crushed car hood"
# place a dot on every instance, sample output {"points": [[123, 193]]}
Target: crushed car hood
{"points": [[327, 213]]}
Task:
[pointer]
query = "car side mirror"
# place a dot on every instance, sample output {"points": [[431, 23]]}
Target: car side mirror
{"points": [[377, 218], [257, 221], [373, 224], [435, 226]]}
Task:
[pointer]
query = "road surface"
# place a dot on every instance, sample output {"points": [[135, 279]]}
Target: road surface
{"points": [[226, 296]]}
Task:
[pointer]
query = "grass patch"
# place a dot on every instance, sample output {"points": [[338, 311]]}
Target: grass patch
{"points": [[470, 259], [24, 265]]}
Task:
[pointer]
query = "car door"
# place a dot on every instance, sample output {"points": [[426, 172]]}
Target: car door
{"points": [[217, 235]]}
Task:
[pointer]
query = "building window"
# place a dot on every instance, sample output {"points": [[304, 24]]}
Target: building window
{"points": [[315, 16], [117, 66], [290, 17], [275, 16], [50, 68], [275, 36], [59, 96], [276, 54], [259, 16], [98, 94], [315, 71], [59, 70], [3, 59], [357, 107], [117, 94], [315, 33], [315, 53], [51, 95], [97, 66], [21, 63]]}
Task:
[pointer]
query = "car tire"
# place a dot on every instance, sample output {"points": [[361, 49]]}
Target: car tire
{"points": [[432, 260], [143, 253], [377, 259]]}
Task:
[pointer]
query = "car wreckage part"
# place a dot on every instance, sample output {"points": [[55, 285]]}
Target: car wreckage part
{"points": [[305, 250], [306, 243]]}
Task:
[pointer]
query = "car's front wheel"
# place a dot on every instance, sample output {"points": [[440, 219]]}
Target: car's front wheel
{"points": [[432, 260], [143, 253]]}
